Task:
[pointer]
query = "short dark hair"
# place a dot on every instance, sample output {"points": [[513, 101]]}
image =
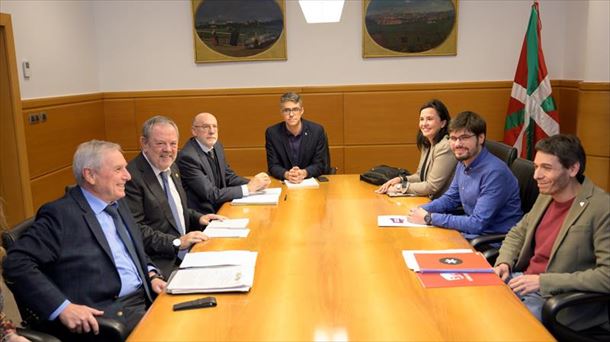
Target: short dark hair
{"points": [[443, 114], [470, 121], [568, 149], [291, 97]]}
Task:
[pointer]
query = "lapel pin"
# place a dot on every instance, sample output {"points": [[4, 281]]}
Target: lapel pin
{"points": [[582, 204]]}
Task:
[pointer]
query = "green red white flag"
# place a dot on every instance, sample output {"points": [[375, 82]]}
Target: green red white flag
{"points": [[532, 114]]}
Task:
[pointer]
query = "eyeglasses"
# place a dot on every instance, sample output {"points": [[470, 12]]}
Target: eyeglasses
{"points": [[461, 138], [206, 127], [294, 110]]}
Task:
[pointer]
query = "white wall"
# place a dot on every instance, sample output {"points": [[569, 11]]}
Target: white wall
{"points": [[58, 39], [145, 45]]}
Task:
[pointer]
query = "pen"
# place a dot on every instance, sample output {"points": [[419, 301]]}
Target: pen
{"points": [[286, 197]]}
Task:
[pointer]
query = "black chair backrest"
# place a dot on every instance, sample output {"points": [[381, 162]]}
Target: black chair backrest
{"points": [[499, 149], [10, 236], [523, 170]]}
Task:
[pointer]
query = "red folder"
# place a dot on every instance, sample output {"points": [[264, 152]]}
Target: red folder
{"points": [[452, 262], [458, 279]]}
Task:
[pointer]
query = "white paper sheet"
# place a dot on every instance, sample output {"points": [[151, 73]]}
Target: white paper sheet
{"points": [[229, 224], [311, 183], [396, 221], [409, 255], [227, 232]]}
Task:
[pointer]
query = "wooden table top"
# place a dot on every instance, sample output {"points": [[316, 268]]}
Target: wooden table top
{"points": [[326, 272]]}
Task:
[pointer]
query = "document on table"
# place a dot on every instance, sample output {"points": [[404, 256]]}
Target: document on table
{"points": [[409, 255], [218, 271], [211, 279], [229, 224], [310, 183], [266, 197], [219, 258], [227, 232], [396, 221]]}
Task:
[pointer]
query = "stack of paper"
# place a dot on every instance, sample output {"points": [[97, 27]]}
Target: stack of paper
{"points": [[265, 197], [311, 183], [207, 272], [450, 268], [228, 228], [396, 221]]}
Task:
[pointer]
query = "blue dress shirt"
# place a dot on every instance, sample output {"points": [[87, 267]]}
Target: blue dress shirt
{"points": [[130, 281], [489, 194]]}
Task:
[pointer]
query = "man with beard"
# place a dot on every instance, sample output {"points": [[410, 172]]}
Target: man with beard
{"points": [[483, 186], [563, 243]]}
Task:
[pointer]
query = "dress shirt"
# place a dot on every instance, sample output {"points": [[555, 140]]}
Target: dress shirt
{"points": [[244, 188], [172, 189], [130, 281], [489, 194]]}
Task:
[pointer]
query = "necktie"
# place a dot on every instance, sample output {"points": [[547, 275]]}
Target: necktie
{"points": [[171, 201], [125, 237]]}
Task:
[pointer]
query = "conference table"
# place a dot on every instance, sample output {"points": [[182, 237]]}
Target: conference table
{"points": [[326, 272]]}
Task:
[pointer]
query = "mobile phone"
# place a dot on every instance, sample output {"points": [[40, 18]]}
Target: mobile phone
{"points": [[206, 302], [322, 179]]}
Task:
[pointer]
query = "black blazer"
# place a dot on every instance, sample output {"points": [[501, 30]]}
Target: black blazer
{"points": [[199, 181], [65, 255], [314, 156], [149, 206]]}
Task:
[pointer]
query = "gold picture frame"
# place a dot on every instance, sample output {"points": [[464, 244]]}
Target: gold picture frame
{"points": [[398, 28], [239, 30]]}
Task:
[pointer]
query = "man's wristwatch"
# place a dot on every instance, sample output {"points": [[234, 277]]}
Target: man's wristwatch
{"points": [[428, 219], [156, 276], [176, 244]]}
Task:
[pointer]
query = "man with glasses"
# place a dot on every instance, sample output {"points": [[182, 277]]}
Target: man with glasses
{"points": [[208, 179], [483, 186], [296, 148], [157, 199]]}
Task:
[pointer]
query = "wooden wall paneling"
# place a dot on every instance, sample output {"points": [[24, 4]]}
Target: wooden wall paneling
{"points": [[15, 191], [593, 125], [51, 144], [51, 186], [242, 119], [120, 123], [598, 170], [381, 117], [566, 95], [361, 158], [247, 162], [325, 109]]}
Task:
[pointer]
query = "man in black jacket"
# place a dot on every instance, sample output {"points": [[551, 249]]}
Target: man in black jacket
{"points": [[296, 148]]}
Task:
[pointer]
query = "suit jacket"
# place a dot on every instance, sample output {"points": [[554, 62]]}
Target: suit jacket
{"points": [[65, 255], [439, 170], [199, 182], [580, 257], [149, 206], [314, 155]]}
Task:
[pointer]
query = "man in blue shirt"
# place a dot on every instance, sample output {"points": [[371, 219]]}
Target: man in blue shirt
{"points": [[483, 185], [83, 256]]}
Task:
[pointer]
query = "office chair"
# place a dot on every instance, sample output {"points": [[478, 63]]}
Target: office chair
{"points": [[506, 153], [555, 304], [523, 170], [110, 329], [330, 170]]}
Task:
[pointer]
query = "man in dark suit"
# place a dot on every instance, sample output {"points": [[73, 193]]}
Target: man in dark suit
{"points": [[296, 148], [208, 179], [158, 201], [83, 257]]}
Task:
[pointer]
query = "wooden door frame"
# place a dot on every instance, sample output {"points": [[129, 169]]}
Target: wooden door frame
{"points": [[15, 98]]}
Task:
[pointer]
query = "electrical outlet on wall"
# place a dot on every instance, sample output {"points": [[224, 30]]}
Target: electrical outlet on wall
{"points": [[27, 71]]}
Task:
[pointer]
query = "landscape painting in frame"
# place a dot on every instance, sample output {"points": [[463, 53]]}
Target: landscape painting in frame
{"points": [[239, 30], [392, 28]]}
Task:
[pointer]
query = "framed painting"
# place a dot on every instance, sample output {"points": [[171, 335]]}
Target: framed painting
{"points": [[393, 28], [239, 30]]}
